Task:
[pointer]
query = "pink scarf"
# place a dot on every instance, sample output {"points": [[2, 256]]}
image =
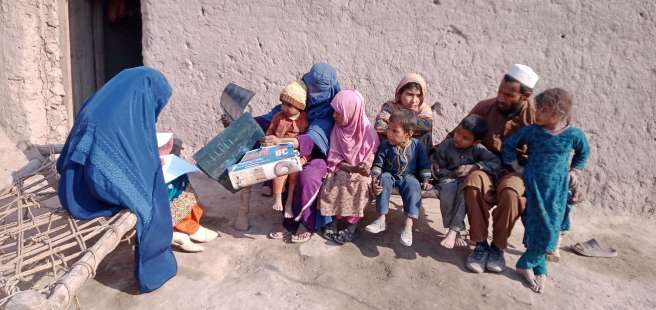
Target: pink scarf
{"points": [[354, 142]]}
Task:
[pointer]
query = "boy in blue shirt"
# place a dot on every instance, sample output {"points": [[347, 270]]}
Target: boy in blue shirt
{"points": [[401, 160]]}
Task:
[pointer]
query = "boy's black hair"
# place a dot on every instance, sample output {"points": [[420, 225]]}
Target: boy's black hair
{"points": [[523, 89], [406, 119], [475, 124]]}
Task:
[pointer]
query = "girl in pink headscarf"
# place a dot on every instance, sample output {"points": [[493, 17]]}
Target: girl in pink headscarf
{"points": [[353, 145]]}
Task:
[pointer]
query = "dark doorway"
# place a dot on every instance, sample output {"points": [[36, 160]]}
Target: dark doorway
{"points": [[105, 38], [122, 34]]}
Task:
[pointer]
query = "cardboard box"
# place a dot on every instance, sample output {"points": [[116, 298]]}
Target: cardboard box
{"points": [[264, 164]]}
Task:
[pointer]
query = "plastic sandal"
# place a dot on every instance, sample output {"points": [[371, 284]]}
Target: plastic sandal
{"points": [[406, 237], [592, 248], [296, 238], [278, 235], [344, 236]]}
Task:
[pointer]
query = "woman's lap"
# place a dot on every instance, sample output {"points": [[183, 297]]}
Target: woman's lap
{"points": [[307, 190]]}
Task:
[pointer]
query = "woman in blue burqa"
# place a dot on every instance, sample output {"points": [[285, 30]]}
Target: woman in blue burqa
{"points": [[322, 86], [111, 162]]}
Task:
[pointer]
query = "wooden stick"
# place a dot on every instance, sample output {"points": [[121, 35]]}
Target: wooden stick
{"points": [[45, 149], [241, 223]]}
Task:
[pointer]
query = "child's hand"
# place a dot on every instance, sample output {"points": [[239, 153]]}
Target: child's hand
{"points": [[375, 187], [225, 121], [270, 140], [464, 170], [345, 167], [575, 187], [426, 186], [384, 115], [363, 169]]}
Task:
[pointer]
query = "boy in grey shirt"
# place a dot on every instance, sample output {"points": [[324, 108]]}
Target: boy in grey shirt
{"points": [[453, 159]]}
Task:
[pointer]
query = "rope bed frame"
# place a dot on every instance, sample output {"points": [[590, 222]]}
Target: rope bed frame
{"points": [[46, 255]]}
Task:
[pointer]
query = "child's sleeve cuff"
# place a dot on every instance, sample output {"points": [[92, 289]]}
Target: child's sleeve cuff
{"points": [[376, 171], [425, 175]]}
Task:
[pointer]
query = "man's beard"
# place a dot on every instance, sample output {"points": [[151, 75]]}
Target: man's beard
{"points": [[511, 111]]}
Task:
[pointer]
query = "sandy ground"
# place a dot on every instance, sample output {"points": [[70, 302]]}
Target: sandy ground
{"points": [[249, 271]]}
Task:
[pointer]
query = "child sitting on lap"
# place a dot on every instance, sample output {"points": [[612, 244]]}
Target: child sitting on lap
{"points": [[398, 163], [453, 160], [289, 123]]}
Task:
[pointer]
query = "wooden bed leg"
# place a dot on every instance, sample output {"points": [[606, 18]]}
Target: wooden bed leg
{"points": [[241, 223]]}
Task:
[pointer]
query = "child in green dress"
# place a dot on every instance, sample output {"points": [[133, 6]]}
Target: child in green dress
{"points": [[546, 176]]}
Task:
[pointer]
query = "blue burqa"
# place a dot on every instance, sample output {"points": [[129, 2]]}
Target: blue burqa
{"points": [[111, 162], [322, 86]]}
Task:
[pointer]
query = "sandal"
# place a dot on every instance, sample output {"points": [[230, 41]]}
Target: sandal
{"points": [[278, 235], [329, 232], [406, 237], [183, 242], [592, 248], [344, 236], [301, 237], [203, 235], [377, 226]]}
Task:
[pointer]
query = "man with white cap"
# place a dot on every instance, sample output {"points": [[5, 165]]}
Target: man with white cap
{"points": [[505, 114]]}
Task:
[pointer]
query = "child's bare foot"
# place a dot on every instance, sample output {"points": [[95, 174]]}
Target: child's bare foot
{"points": [[288, 211], [529, 278], [453, 239], [277, 202], [541, 282], [450, 239], [460, 241]]}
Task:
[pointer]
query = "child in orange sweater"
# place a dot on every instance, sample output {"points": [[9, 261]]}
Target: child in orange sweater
{"points": [[289, 123]]}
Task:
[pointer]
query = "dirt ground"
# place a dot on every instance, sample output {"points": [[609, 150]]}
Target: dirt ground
{"points": [[249, 271]]}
